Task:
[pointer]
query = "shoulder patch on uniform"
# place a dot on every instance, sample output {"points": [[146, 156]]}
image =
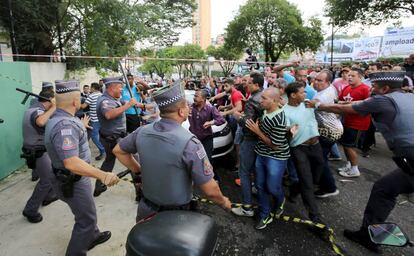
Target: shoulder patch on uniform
{"points": [[201, 153], [68, 144], [66, 132], [208, 168], [39, 112], [195, 140]]}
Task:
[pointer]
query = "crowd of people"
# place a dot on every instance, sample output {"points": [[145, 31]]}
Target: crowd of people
{"points": [[287, 123]]}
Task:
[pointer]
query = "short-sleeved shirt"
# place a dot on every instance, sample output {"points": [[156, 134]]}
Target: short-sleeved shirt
{"points": [[339, 84], [67, 138], [305, 118], [126, 97], [113, 126], [40, 110], [350, 94], [381, 108], [310, 92], [91, 101], [326, 120], [194, 157], [235, 97]]}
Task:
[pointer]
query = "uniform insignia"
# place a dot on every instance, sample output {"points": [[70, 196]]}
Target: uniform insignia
{"points": [[68, 144], [208, 168], [66, 132], [105, 103], [201, 153], [40, 112]]}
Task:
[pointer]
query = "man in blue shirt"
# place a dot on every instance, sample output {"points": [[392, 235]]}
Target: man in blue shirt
{"points": [[133, 118], [301, 75]]}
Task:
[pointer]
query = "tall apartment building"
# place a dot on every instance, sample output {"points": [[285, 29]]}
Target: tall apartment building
{"points": [[202, 27]]}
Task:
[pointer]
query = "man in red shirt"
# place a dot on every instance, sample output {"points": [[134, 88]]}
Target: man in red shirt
{"points": [[355, 125]]}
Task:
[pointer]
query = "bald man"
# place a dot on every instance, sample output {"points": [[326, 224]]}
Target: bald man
{"points": [[66, 142], [272, 151]]}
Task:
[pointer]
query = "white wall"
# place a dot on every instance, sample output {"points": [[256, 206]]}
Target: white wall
{"points": [[46, 71]]}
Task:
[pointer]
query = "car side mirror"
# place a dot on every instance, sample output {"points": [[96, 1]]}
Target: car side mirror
{"points": [[387, 234]]}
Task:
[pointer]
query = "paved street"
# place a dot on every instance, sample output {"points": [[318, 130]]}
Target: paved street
{"points": [[237, 236]]}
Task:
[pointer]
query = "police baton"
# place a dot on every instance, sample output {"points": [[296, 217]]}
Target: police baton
{"points": [[127, 85], [28, 94], [123, 173]]}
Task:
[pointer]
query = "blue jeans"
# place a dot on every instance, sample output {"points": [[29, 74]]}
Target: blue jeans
{"points": [[269, 174], [247, 161], [95, 136], [335, 151]]}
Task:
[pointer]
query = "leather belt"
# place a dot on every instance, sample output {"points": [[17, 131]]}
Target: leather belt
{"points": [[311, 141]]}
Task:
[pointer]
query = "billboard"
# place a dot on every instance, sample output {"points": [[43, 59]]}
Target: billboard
{"points": [[398, 42], [367, 48]]}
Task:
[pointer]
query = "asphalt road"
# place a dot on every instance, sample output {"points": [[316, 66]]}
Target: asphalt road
{"points": [[238, 237], [116, 210]]}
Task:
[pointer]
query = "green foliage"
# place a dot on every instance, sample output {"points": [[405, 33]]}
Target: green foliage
{"points": [[367, 12], [391, 60], [275, 26], [225, 53], [154, 66], [188, 52], [95, 27]]}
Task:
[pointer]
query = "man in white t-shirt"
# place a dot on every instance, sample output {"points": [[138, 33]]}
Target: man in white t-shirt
{"points": [[330, 130]]}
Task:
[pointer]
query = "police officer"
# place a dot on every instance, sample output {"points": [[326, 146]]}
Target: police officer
{"points": [[67, 144], [111, 114], [34, 121], [171, 158], [46, 87], [392, 111]]}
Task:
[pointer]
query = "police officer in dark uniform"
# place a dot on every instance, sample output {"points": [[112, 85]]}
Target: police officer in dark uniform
{"points": [[392, 111], [172, 159], [111, 114], [47, 87], [67, 144], [34, 151]]}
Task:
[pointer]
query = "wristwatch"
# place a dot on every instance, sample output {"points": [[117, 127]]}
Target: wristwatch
{"points": [[317, 104]]}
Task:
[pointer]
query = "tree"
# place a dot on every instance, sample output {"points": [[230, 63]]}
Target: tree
{"points": [[275, 26], [367, 12], [94, 27], [188, 53], [225, 53], [160, 67]]}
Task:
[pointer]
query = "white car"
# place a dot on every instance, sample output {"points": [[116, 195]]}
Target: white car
{"points": [[223, 138]]}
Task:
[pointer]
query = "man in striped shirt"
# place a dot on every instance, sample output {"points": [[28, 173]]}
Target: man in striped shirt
{"points": [[272, 151], [91, 102]]}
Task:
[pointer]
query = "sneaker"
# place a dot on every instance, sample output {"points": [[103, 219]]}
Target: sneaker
{"points": [[279, 210], [331, 158], [33, 218], [262, 223], [350, 174], [344, 168], [100, 157], [254, 190], [242, 211], [322, 194], [362, 237], [365, 154]]}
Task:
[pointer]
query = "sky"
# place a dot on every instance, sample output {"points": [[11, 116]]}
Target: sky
{"points": [[223, 11]]}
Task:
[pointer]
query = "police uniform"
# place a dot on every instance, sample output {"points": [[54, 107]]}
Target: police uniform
{"points": [[172, 160], [38, 159], [392, 114], [66, 137], [111, 130], [33, 101]]}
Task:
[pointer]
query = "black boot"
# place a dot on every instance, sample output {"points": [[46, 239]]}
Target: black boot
{"points": [[362, 237]]}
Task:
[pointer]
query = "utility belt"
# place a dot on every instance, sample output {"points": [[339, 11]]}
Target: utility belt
{"points": [[67, 180], [31, 154], [407, 165], [191, 206], [113, 137]]}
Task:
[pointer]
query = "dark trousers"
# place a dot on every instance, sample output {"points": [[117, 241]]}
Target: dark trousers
{"points": [[82, 205], [43, 190], [327, 181], [309, 166], [208, 147], [369, 138], [384, 194], [132, 122], [109, 162]]}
